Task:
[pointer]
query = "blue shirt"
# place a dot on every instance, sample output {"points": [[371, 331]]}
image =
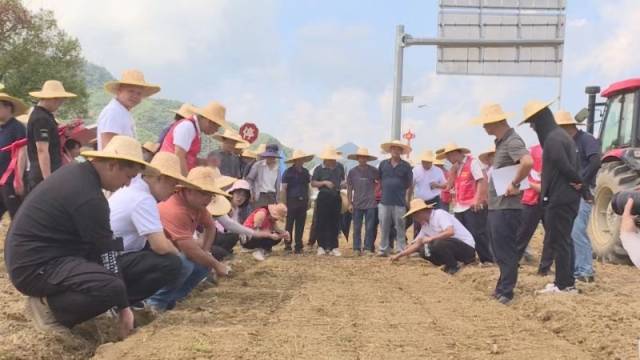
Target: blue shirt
{"points": [[395, 181], [297, 181], [10, 132]]}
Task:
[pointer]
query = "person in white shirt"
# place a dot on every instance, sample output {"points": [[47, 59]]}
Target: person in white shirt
{"points": [[115, 118], [443, 240], [265, 177], [428, 182]]}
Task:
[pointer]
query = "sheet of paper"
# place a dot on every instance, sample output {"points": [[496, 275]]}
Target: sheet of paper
{"points": [[502, 178]]}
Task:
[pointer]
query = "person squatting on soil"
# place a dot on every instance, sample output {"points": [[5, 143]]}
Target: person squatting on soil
{"points": [[442, 240], [265, 219], [295, 194], [560, 193], [361, 197], [328, 178]]}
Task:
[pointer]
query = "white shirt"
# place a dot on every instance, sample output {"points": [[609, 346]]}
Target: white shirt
{"points": [[476, 172], [440, 220], [184, 134], [134, 214], [422, 180], [266, 177], [115, 118]]}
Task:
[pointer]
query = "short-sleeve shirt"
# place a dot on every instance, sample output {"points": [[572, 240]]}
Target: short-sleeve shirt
{"points": [[42, 126], [230, 164], [184, 133], [180, 221], [134, 214], [115, 118], [586, 146], [509, 150], [335, 175], [395, 181], [65, 216], [297, 180], [10, 132], [423, 178], [362, 180], [440, 220]]}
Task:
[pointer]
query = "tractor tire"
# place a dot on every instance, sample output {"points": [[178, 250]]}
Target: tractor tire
{"points": [[604, 224]]}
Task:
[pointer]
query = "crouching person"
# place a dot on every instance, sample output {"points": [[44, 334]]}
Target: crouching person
{"points": [[181, 215], [264, 219], [442, 240], [61, 251]]}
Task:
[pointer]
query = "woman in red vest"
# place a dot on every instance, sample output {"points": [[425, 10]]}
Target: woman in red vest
{"points": [[265, 219]]}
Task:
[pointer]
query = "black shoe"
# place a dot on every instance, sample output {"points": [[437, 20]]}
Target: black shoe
{"points": [[586, 279], [504, 300], [451, 270], [543, 273], [298, 251]]}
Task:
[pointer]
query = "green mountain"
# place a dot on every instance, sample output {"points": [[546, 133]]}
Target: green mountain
{"points": [[152, 115]]}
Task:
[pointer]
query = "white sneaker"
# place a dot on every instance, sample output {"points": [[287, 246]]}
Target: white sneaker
{"points": [[336, 252], [258, 255], [553, 289], [320, 252]]}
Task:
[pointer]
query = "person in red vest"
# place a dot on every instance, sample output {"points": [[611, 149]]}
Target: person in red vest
{"points": [[445, 194], [183, 138], [469, 192]]}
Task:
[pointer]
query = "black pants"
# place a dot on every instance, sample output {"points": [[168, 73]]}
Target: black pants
{"points": [[261, 243], [78, 290], [9, 201], [223, 245], [449, 252], [558, 224], [327, 222], [296, 217], [504, 230], [476, 223]]}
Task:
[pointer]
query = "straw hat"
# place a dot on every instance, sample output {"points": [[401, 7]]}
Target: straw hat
{"points": [[438, 162], [485, 155], [228, 135], [533, 107], [362, 152], [52, 89], [168, 164], [449, 148], [329, 153], [249, 154], [222, 181], [417, 205], [19, 107], [120, 148], [132, 77], [151, 147], [219, 206], [491, 113], [242, 145], [186, 110], [214, 112], [278, 211], [427, 156], [299, 155], [203, 178], [564, 118], [386, 147]]}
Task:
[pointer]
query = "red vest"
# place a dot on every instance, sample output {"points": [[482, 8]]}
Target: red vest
{"points": [[192, 152], [266, 224], [530, 196], [445, 195], [465, 184]]}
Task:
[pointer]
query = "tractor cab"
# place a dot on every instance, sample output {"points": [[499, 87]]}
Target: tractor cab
{"points": [[619, 127]]}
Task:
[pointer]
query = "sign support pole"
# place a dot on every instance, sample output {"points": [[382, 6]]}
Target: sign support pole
{"points": [[397, 84]]}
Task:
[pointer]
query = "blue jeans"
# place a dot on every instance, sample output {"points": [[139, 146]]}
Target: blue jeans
{"points": [[191, 274], [369, 216], [581, 243]]}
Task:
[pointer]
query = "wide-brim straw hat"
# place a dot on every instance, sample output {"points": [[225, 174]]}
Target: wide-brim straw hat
{"points": [[329, 153], [427, 156], [249, 154], [491, 113], [438, 162], [485, 155], [299, 155], [168, 164], [450, 147], [564, 118], [120, 147], [278, 211], [418, 205], [228, 135], [219, 206], [185, 110], [134, 78], [203, 178], [52, 89], [19, 107], [533, 107], [151, 147], [242, 145], [362, 153], [386, 147], [214, 112]]}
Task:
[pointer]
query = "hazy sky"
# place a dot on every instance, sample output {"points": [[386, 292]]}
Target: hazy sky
{"points": [[319, 72]]}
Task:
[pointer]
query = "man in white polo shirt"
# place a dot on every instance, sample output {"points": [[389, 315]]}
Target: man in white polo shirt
{"points": [[428, 182], [443, 240]]}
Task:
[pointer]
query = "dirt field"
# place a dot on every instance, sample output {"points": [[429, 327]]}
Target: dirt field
{"points": [[358, 308]]}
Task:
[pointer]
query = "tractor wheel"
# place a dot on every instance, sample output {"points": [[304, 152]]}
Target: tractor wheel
{"points": [[604, 224]]}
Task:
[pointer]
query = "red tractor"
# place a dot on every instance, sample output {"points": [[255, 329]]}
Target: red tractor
{"points": [[619, 134]]}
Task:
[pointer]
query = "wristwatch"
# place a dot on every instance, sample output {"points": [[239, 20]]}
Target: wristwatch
{"points": [[515, 185]]}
